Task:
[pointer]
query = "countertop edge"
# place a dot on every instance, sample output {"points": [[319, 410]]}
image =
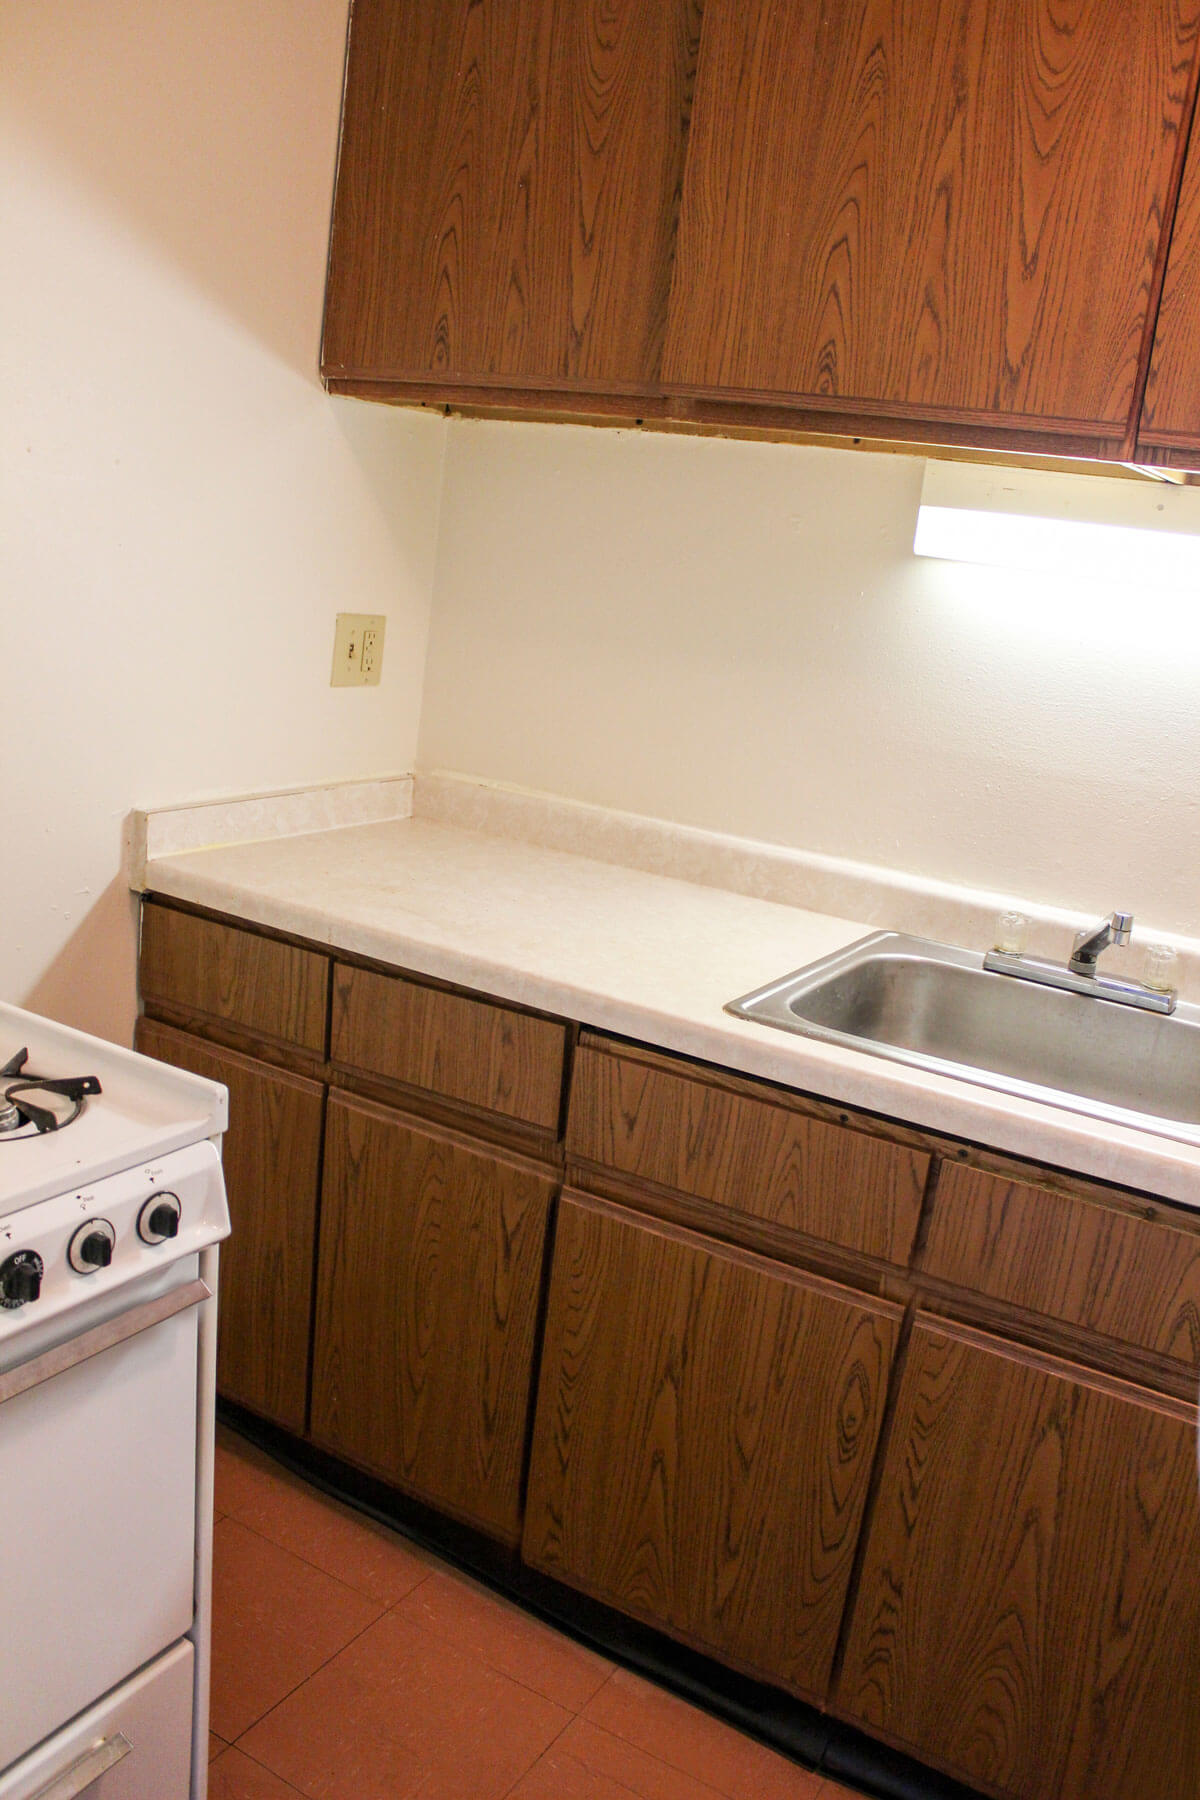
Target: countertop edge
{"points": [[1042, 1133]]}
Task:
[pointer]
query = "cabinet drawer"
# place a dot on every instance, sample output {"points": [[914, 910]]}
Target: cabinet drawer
{"points": [[269, 989], [1135, 1280], [754, 1156], [471, 1051]]}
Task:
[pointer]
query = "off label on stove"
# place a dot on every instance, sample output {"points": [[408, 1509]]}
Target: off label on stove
{"points": [[20, 1279]]}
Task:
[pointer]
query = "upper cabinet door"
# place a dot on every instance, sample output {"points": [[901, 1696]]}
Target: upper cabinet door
{"points": [[930, 209], [1170, 427], [508, 191]]}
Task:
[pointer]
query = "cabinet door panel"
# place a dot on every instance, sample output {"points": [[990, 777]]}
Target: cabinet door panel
{"points": [[1028, 1615], [508, 189], [1135, 1281], [271, 1155], [669, 1125], [427, 1301], [255, 983], [705, 1430], [952, 207], [453, 1046], [1170, 426]]}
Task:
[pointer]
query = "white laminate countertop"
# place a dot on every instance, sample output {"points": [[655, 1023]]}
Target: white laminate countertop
{"points": [[643, 955]]}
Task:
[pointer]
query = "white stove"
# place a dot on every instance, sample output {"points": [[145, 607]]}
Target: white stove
{"points": [[112, 1204]]}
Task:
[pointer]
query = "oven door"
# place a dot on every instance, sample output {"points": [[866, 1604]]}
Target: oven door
{"points": [[97, 1512]]}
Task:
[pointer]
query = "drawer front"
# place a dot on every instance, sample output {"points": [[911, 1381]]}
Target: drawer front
{"points": [[1131, 1279], [470, 1051], [269, 989], [751, 1156]]}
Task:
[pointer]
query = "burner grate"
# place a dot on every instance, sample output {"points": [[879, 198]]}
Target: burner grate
{"points": [[60, 1100]]}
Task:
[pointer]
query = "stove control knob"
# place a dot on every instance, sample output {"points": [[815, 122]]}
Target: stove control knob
{"points": [[92, 1247], [159, 1219], [20, 1278]]}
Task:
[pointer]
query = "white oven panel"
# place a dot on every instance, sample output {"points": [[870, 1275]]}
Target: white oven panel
{"points": [[97, 1529], [133, 1746]]}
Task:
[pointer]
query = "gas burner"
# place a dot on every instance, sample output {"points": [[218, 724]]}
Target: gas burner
{"points": [[59, 1102]]}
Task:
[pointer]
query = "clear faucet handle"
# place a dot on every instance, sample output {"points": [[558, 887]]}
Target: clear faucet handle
{"points": [[1012, 933], [1161, 970]]}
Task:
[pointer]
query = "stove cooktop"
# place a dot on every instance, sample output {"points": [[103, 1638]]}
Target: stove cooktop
{"points": [[136, 1110], [32, 1104]]}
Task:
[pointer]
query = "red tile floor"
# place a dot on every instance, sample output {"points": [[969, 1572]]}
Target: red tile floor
{"points": [[350, 1665]]}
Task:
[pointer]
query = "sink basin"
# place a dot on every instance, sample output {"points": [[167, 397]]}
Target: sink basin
{"points": [[937, 1008]]}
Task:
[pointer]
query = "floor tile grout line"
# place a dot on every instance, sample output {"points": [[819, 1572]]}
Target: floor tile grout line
{"points": [[389, 1607], [612, 1731], [275, 1776], [544, 1751], [359, 1593], [507, 1674], [672, 1768], [324, 1664]]}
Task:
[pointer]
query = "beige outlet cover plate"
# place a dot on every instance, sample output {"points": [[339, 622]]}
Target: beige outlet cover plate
{"points": [[358, 650]]}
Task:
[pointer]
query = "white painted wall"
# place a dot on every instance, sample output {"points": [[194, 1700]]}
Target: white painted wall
{"points": [[182, 510], [737, 636]]}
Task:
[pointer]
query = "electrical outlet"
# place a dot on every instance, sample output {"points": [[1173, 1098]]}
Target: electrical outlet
{"points": [[358, 650]]}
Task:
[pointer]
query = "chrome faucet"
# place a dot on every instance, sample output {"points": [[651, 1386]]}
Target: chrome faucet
{"points": [[1079, 975], [1089, 944]]}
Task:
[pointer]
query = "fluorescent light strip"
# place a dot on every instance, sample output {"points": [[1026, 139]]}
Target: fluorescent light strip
{"points": [[974, 515]]}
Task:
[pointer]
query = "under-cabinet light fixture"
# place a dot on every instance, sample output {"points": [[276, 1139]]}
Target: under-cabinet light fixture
{"points": [[1135, 533]]}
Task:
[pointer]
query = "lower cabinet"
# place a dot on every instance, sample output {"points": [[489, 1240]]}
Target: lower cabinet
{"points": [[1003, 1580], [428, 1296], [272, 1158], [705, 1430], [1028, 1616]]}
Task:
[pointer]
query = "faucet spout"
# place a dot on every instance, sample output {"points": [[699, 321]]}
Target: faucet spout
{"points": [[1089, 944]]}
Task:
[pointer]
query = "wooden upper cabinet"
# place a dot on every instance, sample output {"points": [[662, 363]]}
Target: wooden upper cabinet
{"points": [[507, 191], [1170, 426], [931, 209]]}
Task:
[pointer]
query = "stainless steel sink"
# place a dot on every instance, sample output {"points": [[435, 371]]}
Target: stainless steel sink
{"points": [[937, 1008]]}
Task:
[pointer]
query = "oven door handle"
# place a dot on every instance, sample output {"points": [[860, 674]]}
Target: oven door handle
{"points": [[118, 1330], [87, 1769]]}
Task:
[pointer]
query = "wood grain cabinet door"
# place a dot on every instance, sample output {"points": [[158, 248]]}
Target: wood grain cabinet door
{"points": [[1170, 426], [1028, 1616], [272, 1159], [705, 1430], [938, 209], [427, 1302], [507, 191]]}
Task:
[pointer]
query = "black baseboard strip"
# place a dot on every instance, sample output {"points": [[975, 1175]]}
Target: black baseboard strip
{"points": [[776, 1719]]}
